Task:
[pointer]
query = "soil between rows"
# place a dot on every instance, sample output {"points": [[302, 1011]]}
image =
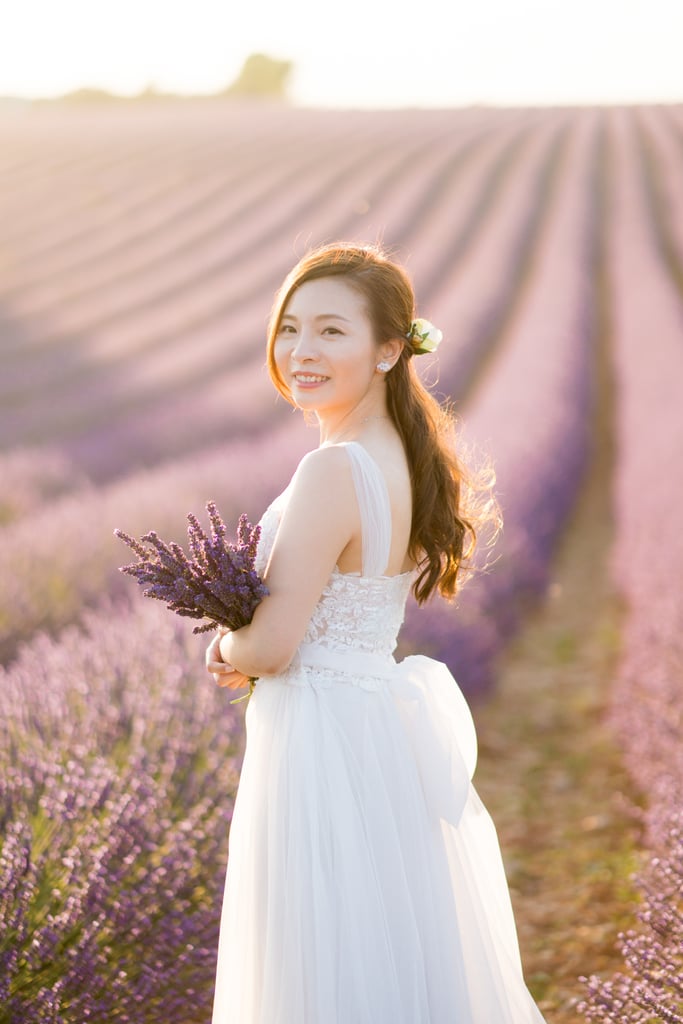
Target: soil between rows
{"points": [[550, 771]]}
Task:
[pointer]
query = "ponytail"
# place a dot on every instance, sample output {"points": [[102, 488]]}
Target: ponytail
{"points": [[445, 525]]}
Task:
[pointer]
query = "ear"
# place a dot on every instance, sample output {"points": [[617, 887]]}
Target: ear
{"points": [[391, 350]]}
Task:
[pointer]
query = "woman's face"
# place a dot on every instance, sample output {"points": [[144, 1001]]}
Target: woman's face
{"points": [[325, 349]]}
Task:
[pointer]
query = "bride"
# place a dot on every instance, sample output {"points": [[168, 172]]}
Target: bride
{"points": [[364, 883]]}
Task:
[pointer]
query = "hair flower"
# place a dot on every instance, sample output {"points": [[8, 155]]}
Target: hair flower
{"points": [[424, 336]]}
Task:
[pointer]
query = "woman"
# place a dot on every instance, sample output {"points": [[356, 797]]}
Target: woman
{"points": [[364, 882]]}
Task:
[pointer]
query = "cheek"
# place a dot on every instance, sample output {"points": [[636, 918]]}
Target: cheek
{"points": [[366, 366], [281, 351], [350, 371], [358, 361]]}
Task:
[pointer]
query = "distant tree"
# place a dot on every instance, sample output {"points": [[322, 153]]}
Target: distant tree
{"points": [[89, 95], [261, 76]]}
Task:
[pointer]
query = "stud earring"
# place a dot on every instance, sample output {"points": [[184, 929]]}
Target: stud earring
{"points": [[383, 366]]}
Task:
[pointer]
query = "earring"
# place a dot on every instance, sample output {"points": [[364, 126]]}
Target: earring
{"points": [[383, 366]]}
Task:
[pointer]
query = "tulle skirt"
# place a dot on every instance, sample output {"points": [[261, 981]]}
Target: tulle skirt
{"points": [[365, 883]]}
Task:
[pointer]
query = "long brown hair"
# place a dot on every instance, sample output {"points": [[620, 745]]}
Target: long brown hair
{"points": [[450, 504]]}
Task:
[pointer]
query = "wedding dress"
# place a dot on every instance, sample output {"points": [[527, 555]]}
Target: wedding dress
{"points": [[365, 883]]}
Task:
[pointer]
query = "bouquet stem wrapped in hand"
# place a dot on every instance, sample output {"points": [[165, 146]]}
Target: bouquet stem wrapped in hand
{"points": [[217, 581]]}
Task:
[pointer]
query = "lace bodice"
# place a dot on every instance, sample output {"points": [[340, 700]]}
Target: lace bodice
{"points": [[356, 611]]}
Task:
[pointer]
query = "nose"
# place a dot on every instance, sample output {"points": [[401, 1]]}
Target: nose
{"points": [[305, 347]]}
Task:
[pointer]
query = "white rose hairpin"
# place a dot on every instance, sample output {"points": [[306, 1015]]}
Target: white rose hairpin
{"points": [[425, 337]]}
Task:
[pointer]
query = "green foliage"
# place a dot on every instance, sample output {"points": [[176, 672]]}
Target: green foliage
{"points": [[261, 76]]}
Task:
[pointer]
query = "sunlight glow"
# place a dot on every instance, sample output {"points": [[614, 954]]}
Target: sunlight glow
{"points": [[358, 54]]}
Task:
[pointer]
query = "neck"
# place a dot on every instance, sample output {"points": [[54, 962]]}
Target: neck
{"points": [[348, 426]]}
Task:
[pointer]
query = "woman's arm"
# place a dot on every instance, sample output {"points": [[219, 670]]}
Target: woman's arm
{"points": [[320, 519]]}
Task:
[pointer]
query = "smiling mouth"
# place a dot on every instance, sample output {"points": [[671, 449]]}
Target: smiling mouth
{"points": [[309, 378]]}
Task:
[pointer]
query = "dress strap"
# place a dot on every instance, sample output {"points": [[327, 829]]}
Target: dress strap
{"points": [[375, 509]]}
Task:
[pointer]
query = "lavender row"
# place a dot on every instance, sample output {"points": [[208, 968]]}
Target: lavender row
{"points": [[65, 556], [31, 477], [150, 168], [647, 565], [118, 766], [531, 411], [136, 167], [661, 160], [471, 281], [220, 237]]}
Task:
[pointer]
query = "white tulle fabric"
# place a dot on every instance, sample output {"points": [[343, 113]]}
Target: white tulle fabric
{"points": [[365, 883]]}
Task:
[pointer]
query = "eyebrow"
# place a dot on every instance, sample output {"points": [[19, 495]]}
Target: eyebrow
{"points": [[321, 316]]}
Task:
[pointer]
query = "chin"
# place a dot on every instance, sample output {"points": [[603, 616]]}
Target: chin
{"points": [[312, 399], [304, 401]]}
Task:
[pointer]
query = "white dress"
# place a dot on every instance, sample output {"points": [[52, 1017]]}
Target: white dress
{"points": [[365, 883]]}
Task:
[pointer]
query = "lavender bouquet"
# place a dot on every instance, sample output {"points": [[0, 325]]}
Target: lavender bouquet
{"points": [[217, 581]]}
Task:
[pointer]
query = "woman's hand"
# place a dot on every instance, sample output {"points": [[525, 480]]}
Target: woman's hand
{"points": [[223, 673], [232, 678]]}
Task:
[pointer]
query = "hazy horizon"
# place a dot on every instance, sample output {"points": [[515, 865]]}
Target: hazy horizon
{"points": [[497, 54]]}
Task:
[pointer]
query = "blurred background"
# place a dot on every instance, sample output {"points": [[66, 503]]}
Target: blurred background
{"points": [[162, 166]]}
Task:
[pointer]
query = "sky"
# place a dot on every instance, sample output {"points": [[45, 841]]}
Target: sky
{"points": [[368, 53]]}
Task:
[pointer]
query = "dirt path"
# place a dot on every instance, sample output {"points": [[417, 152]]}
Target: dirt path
{"points": [[549, 770]]}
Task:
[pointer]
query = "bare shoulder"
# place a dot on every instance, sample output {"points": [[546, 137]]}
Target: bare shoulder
{"points": [[325, 473], [321, 514]]}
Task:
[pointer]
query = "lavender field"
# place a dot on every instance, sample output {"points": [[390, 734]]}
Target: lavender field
{"points": [[140, 248]]}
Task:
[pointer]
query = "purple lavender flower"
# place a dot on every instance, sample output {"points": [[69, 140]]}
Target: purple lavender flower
{"points": [[217, 581]]}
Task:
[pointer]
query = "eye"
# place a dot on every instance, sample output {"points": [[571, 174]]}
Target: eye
{"points": [[332, 330], [286, 329]]}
